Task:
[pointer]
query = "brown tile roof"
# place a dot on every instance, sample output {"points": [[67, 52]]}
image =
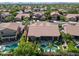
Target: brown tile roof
{"points": [[43, 29], [72, 29], [5, 14], [28, 7], [56, 12], [71, 15], [12, 26], [20, 15]]}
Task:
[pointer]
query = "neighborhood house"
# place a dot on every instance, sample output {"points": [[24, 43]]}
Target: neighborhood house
{"points": [[10, 31], [72, 17], [43, 31], [38, 15], [19, 17], [55, 16], [73, 30]]}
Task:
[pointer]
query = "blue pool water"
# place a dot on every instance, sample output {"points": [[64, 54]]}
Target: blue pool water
{"points": [[10, 46], [44, 47], [47, 49]]}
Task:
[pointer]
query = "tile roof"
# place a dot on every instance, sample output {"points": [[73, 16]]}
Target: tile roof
{"points": [[20, 15], [71, 15], [43, 29], [56, 12], [12, 26], [72, 29], [5, 14]]}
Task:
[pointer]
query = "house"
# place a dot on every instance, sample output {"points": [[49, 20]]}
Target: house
{"points": [[43, 9], [53, 8], [38, 15], [39, 9], [72, 29], [72, 17], [43, 31], [55, 16], [28, 9], [19, 17], [3, 10], [3, 15], [10, 31], [19, 12], [62, 10], [36, 9]]}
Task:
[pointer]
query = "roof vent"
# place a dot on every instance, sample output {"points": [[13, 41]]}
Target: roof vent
{"points": [[38, 22], [33, 21]]}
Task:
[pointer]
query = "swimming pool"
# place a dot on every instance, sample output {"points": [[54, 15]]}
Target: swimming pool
{"points": [[46, 48], [10, 46]]}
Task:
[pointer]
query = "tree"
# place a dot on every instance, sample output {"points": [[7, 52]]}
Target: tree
{"points": [[13, 13], [26, 48], [66, 37], [9, 18], [62, 18], [26, 21], [73, 11], [50, 46], [47, 15]]}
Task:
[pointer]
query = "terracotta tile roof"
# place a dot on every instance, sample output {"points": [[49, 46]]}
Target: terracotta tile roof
{"points": [[12, 26], [5, 14], [72, 29], [43, 29], [20, 15], [52, 13], [71, 15]]}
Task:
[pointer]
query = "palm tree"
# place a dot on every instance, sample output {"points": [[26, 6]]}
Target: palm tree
{"points": [[66, 37], [26, 21], [50, 46], [47, 15]]}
